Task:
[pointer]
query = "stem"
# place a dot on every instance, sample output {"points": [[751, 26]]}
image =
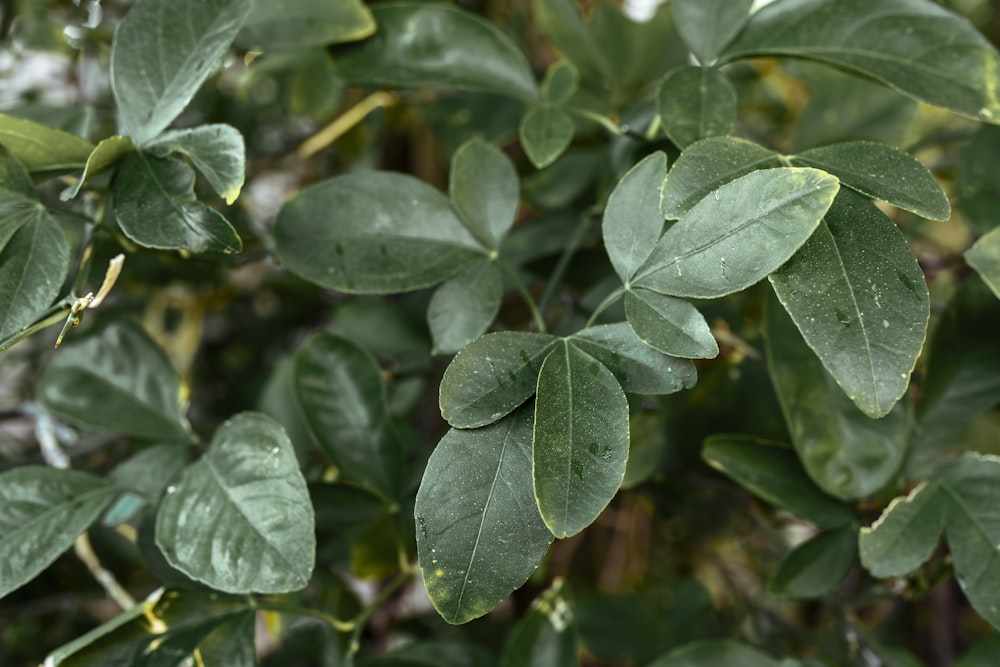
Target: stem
{"points": [[609, 301], [344, 122], [567, 255], [56, 318], [103, 576], [295, 610], [362, 618], [536, 313], [612, 127]]}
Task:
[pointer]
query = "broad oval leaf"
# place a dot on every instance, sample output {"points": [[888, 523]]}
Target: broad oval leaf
{"points": [[817, 566], [715, 653], [696, 103], [917, 47], [736, 236], [984, 257], [433, 44], [485, 190], [883, 172], [161, 54], [581, 439], [632, 222], [545, 134], [561, 82], [286, 25], [40, 148], [155, 205], [672, 326], [492, 376], [638, 367], [42, 511], [239, 519], [463, 308], [858, 296], [707, 26], [906, 534], [373, 232], [479, 535], [216, 150], [117, 380]]}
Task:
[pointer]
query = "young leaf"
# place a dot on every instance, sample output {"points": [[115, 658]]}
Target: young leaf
{"points": [[883, 172], [239, 519], [632, 222], [906, 534], [155, 205], [736, 236], [672, 326], [817, 566], [432, 44], [717, 653], [545, 133], [373, 232], [919, 48], [298, 24], [479, 535], [858, 296], [42, 149], [485, 190], [560, 83], [696, 103], [545, 636], [578, 451], [216, 150], [42, 511], [105, 154], [708, 26], [492, 376], [117, 380], [463, 308], [161, 54], [984, 257]]}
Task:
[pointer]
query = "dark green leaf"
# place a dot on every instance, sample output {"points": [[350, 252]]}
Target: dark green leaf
{"points": [[545, 133], [883, 172], [435, 44], [106, 629], [919, 48], [231, 643], [858, 296], [117, 380], [984, 257], [560, 83], [817, 566], [479, 535], [216, 150], [705, 166], [42, 149], [155, 205], [463, 308], [42, 511], [545, 636], [161, 54], [715, 653], [485, 190], [906, 534], [105, 154], [632, 221], [283, 25], [707, 27], [696, 103], [581, 439], [977, 192], [983, 653], [492, 376], [648, 442], [561, 22], [670, 325], [239, 519], [146, 473], [373, 232]]}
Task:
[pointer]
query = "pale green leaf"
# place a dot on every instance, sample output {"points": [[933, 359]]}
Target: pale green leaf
{"points": [[632, 221], [817, 566], [906, 534], [40, 148], [561, 82], [672, 326], [106, 153], [715, 653], [545, 133], [285, 25], [707, 26], [216, 150], [463, 308], [984, 257], [485, 190], [696, 103]]}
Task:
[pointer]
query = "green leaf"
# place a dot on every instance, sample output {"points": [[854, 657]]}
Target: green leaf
{"points": [[561, 23], [632, 221], [906, 534], [545, 636], [239, 519], [581, 439], [436, 44], [696, 103], [672, 326], [485, 190], [984, 257], [706, 165], [561, 82], [216, 150], [231, 642], [463, 308], [105, 154], [983, 653], [155, 205], [638, 367], [545, 133], [715, 653], [479, 535], [882, 172], [373, 232], [106, 629], [743, 231], [287, 25], [42, 511], [42, 149], [147, 473], [772, 472], [919, 48], [846, 453], [817, 566], [162, 53], [858, 296], [708, 26], [342, 393], [116, 380], [492, 376]]}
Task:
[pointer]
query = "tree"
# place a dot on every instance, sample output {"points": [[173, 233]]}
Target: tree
{"points": [[610, 334]]}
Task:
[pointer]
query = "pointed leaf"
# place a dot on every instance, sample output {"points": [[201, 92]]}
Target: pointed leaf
{"points": [[736, 236], [162, 53], [581, 439], [707, 27], [463, 308], [116, 380], [638, 367], [561, 23], [485, 190], [858, 296], [492, 376], [632, 221], [883, 172], [42, 511], [984, 257], [715, 653], [155, 205], [545, 133], [817, 566], [561, 82], [40, 148], [216, 150], [287, 25], [373, 232], [919, 48], [479, 535], [545, 636], [696, 103], [104, 155], [240, 519], [672, 326], [906, 534]]}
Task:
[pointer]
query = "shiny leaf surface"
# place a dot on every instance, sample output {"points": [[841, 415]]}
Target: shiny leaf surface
{"points": [[632, 221], [672, 326], [696, 103]]}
